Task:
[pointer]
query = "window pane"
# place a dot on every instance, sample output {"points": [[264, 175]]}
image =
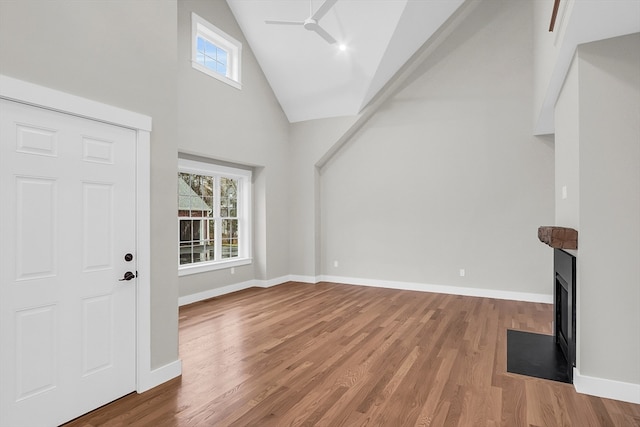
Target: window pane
{"points": [[183, 183], [200, 44], [208, 251], [229, 194], [221, 69], [202, 185], [210, 48], [229, 187], [184, 205], [229, 238], [185, 254], [185, 231], [195, 230], [208, 204], [226, 249], [200, 58], [206, 186], [198, 207], [212, 229], [210, 63], [222, 57], [198, 253]]}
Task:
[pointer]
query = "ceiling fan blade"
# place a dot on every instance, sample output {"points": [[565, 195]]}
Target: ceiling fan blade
{"points": [[284, 22], [322, 10], [323, 33]]}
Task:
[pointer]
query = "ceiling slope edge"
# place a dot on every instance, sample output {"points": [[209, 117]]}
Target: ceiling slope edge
{"points": [[401, 76], [417, 17]]}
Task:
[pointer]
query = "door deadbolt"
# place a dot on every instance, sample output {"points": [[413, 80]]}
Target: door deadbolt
{"points": [[128, 257]]}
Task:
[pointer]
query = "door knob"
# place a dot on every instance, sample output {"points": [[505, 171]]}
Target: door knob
{"points": [[127, 276]]}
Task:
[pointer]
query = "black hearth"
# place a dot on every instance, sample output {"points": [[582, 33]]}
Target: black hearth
{"points": [[546, 356]]}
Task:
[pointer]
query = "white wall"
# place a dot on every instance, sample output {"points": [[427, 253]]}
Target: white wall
{"points": [[566, 149], [447, 175], [547, 50], [609, 235], [245, 127], [121, 53]]}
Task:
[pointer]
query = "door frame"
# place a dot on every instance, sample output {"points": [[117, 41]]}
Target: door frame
{"points": [[39, 96]]}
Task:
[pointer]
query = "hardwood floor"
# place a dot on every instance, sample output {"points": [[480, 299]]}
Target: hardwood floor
{"points": [[340, 355]]}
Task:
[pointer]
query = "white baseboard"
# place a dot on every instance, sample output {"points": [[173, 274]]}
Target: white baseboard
{"points": [[303, 279], [442, 289], [215, 292], [408, 286], [609, 389], [159, 376], [273, 282]]}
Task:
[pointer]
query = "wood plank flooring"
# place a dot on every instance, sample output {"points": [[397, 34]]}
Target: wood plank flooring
{"points": [[340, 355]]}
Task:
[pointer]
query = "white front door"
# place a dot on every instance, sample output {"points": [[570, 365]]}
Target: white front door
{"points": [[67, 218]]}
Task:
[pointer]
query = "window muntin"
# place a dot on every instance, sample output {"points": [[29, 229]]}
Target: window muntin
{"points": [[211, 56], [213, 216], [215, 53]]}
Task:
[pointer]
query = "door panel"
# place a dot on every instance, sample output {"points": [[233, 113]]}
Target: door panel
{"points": [[97, 222], [67, 218], [36, 356], [36, 204]]}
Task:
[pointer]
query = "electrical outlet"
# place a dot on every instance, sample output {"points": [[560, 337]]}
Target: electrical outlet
{"points": [[335, 264], [462, 272], [233, 270], [564, 192]]}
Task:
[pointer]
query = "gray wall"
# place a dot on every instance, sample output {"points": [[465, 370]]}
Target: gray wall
{"points": [[567, 139], [447, 175], [604, 90], [120, 53], [246, 127], [309, 141]]}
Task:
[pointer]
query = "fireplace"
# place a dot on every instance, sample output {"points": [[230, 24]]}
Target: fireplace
{"points": [[564, 304], [551, 356]]}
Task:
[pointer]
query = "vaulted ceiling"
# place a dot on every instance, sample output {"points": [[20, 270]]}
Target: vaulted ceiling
{"points": [[314, 79]]}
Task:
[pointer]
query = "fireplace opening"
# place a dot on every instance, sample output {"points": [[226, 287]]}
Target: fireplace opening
{"points": [[550, 356], [562, 332], [565, 306]]}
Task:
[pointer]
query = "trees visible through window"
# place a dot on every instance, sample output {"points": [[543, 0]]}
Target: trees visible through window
{"points": [[213, 209]]}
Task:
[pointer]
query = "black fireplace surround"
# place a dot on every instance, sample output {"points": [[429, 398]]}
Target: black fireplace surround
{"points": [[564, 303], [546, 356]]}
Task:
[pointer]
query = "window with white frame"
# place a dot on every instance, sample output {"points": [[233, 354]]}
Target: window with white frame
{"points": [[214, 52], [214, 207]]}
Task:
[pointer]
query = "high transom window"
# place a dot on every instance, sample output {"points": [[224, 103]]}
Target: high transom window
{"points": [[215, 52], [213, 216]]}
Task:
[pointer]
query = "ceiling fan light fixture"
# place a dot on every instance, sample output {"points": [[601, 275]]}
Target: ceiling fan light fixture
{"points": [[311, 23], [342, 47]]}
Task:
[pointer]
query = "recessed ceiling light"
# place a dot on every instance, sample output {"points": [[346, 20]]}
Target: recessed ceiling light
{"points": [[342, 47]]}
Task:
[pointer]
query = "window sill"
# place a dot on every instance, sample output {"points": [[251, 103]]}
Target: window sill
{"points": [[205, 267], [215, 75]]}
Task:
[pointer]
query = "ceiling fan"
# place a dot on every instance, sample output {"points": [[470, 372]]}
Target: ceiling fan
{"points": [[311, 23]]}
